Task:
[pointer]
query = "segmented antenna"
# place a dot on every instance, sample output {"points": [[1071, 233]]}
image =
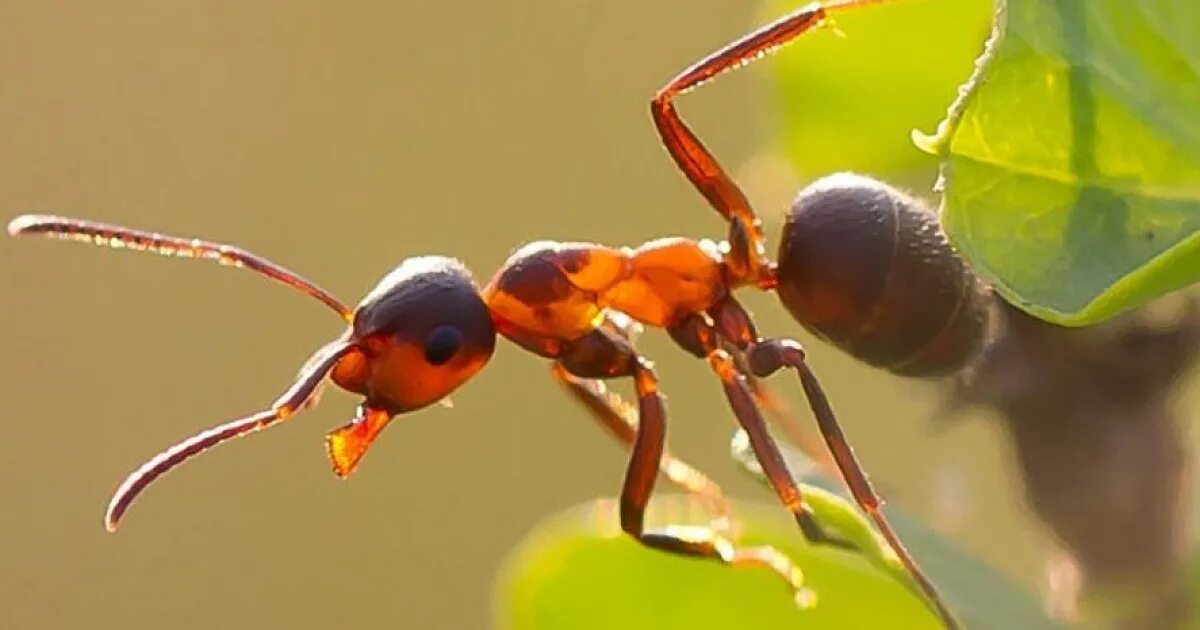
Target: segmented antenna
{"points": [[120, 237]]}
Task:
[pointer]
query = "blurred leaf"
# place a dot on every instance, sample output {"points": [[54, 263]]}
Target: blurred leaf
{"points": [[980, 597], [578, 571], [1071, 164], [849, 102]]}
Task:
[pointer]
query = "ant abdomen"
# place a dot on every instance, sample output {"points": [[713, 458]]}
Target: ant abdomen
{"points": [[867, 268]]}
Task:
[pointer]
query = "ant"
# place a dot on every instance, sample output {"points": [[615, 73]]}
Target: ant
{"points": [[860, 264]]}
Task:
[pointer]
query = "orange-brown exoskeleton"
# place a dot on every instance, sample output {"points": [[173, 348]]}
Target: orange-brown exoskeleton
{"points": [[861, 264]]}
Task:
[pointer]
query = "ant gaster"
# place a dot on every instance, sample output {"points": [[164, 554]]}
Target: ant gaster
{"points": [[860, 263]]}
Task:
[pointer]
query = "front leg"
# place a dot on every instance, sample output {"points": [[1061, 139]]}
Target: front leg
{"points": [[619, 418], [603, 354]]}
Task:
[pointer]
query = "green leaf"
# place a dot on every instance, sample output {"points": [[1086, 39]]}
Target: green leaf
{"points": [[849, 95], [578, 571], [1071, 161]]}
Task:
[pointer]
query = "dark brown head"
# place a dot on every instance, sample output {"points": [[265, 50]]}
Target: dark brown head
{"points": [[421, 332], [868, 268]]}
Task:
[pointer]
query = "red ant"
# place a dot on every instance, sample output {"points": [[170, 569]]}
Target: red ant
{"points": [[861, 264]]}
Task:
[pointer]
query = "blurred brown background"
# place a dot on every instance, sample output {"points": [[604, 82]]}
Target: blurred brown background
{"points": [[337, 141]]}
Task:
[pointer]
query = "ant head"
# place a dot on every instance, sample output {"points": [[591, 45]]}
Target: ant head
{"points": [[420, 333]]}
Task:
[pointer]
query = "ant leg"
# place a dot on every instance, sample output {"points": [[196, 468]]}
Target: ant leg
{"points": [[748, 262], [604, 354], [639, 483], [118, 237], [768, 356], [780, 415], [766, 451], [700, 339], [294, 399], [618, 417]]}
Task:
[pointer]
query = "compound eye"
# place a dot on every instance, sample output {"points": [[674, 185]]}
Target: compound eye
{"points": [[441, 344]]}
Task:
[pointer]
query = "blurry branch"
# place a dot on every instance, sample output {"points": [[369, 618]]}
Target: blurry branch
{"points": [[1102, 456]]}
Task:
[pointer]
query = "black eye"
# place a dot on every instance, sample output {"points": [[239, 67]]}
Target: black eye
{"points": [[441, 344]]}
